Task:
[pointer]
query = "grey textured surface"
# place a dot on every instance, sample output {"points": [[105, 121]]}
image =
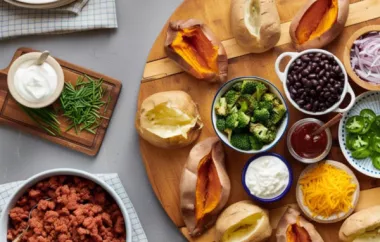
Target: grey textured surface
{"points": [[118, 53]]}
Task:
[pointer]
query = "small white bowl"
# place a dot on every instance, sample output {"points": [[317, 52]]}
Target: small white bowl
{"points": [[45, 102], [273, 89], [4, 219], [336, 217], [283, 76]]}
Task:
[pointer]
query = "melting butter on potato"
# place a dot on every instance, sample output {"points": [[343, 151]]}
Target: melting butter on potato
{"points": [[255, 24], [243, 222]]}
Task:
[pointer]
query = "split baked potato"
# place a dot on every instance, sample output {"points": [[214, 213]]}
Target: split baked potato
{"points": [[195, 48], [318, 23], [205, 186], [169, 120], [294, 228], [255, 24], [244, 222]]}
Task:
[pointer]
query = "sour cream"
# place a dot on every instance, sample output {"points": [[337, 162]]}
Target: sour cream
{"points": [[267, 177], [35, 82]]}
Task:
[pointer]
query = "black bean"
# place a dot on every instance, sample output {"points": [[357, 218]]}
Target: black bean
{"points": [[328, 85], [299, 76], [290, 78], [321, 95], [327, 67], [298, 62], [319, 88], [298, 84], [315, 82], [313, 92], [292, 95], [312, 76], [319, 54], [292, 90], [321, 82], [333, 90], [327, 94], [303, 95], [321, 72], [305, 58], [300, 102], [314, 65], [325, 89], [323, 56], [327, 75], [311, 55], [316, 59], [304, 80], [295, 77], [309, 84], [305, 72], [337, 85], [308, 106], [318, 69], [301, 90]]}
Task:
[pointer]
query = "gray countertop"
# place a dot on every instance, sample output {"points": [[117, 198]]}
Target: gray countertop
{"points": [[118, 53]]}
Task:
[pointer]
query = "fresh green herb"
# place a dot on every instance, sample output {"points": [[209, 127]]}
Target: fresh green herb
{"points": [[45, 118], [81, 104]]}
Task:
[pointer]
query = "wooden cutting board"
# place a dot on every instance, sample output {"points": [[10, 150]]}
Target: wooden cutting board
{"points": [[164, 167], [85, 142]]}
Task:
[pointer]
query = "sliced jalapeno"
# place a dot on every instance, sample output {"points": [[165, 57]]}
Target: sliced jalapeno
{"points": [[361, 153], [376, 161], [375, 143], [355, 124], [368, 113], [367, 126], [357, 141]]}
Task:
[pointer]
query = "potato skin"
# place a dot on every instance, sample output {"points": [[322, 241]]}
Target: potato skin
{"points": [[290, 217], [184, 102], [189, 181], [238, 211], [270, 31], [329, 35], [222, 59], [359, 221]]}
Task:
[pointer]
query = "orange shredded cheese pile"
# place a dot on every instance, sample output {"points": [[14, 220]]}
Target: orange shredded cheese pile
{"points": [[327, 190]]}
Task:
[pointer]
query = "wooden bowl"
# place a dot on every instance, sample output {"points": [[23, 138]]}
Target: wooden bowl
{"points": [[334, 218], [347, 62]]}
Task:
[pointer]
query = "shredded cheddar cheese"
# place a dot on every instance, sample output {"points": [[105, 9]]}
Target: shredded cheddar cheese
{"points": [[327, 190]]}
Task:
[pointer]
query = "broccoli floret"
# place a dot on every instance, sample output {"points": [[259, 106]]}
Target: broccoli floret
{"points": [[261, 88], [253, 119], [248, 87], [276, 102], [278, 113], [231, 97], [232, 121], [221, 124], [237, 86], [262, 133], [247, 103], [221, 107], [268, 105], [255, 143], [269, 97], [261, 115], [229, 133], [243, 119], [241, 141], [233, 109]]}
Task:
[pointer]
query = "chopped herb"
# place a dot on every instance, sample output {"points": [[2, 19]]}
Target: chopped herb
{"points": [[45, 118]]}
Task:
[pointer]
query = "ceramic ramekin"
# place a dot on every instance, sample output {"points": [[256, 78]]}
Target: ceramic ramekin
{"points": [[283, 76], [60, 172]]}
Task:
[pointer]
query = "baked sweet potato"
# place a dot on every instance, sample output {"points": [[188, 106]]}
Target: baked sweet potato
{"points": [[169, 120], [294, 228], [362, 226], [318, 23], [205, 186], [244, 222], [195, 48], [255, 24]]}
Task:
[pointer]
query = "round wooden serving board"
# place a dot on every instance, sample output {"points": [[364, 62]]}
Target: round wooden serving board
{"points": [[164, 167]]}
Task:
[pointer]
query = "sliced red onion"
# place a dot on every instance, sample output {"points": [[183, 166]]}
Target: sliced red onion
{"points": [[365, 57]]}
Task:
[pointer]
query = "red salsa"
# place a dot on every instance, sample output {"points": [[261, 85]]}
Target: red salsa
{"points": [[306, 146]]}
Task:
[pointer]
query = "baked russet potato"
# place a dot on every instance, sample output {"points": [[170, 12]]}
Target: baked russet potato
{"points": [[244, 222], [169, 119], [294, 228], [255, 24], [362, 226], [195, 48], [204, 187], [318, 23]]}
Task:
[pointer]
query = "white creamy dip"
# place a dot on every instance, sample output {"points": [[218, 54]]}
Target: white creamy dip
{"points": [[267, 177], [35, 82]]}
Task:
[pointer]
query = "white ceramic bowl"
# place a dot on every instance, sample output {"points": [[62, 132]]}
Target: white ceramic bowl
{"points": [[4, 219], [283, 76], [336, 217], [46, 101], [369, 100], [273, 89]]}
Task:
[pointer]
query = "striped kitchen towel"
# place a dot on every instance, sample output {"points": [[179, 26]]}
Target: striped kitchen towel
{"points": [[138, 234], [79, 16]]}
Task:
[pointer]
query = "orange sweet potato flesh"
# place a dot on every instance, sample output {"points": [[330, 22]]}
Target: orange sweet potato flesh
{"points": [[296, 233], [208, 190], [318, 19], [197, 50]]}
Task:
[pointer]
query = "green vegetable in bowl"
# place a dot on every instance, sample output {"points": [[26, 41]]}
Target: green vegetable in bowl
{"points": [[366, 127], [375, 143], [355, 124], [249, 114], [361, 153], [376, 160], [357, 141], [369, 114]]}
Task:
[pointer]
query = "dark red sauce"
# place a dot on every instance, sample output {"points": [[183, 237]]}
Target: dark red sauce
{"points": [[305, 145]]}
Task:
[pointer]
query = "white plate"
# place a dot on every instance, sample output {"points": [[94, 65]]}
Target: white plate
{"points": [[336, 217], [369, 100], [55, 4], [38, 1]]}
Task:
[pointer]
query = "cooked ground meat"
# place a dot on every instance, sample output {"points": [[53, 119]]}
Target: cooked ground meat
{"points": [[78, 210]]}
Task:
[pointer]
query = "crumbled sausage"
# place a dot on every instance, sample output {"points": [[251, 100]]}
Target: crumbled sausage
{"points": [[67, 209]]}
